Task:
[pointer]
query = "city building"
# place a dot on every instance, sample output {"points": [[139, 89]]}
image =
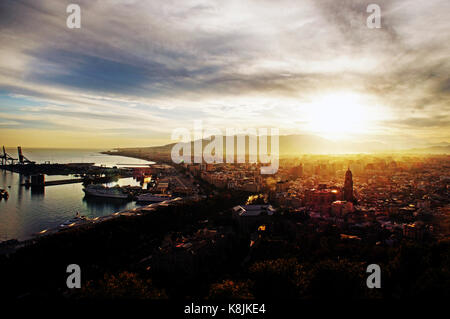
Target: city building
{"points": [[250, 217]]}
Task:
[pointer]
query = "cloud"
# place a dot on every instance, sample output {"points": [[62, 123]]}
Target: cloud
{"points": [[161, 64], [423, 122]]}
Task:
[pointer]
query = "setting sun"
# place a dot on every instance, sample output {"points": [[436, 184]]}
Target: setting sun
{"points": [[338, 115]]}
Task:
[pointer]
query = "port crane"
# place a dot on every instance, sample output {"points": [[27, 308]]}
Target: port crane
{"points": [[7, 158], [22, 158]]}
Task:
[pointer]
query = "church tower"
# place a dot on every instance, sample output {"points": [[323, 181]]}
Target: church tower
{"points": [[348, 186]]}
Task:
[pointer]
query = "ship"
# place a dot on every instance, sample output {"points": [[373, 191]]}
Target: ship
{"points": [[153, 198], [4, 194], [99, 190]]}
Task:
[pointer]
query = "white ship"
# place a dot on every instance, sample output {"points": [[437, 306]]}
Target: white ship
{"points": [[153, 198], [99, 190]]}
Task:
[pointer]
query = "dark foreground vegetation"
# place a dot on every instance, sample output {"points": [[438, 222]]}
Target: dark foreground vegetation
{"points": [[284, 263]]}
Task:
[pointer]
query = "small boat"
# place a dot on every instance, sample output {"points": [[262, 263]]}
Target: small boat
{"points": [[73, 221], [4, 193]]}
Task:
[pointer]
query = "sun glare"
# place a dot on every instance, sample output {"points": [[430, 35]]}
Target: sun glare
{"points": [[340, 115]]}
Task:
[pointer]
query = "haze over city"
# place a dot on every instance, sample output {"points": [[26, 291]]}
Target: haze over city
{"points": [[136, 70]]}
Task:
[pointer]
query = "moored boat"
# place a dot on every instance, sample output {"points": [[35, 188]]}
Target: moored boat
{"points": [[74, 221], [4, 193], [99, 190]]}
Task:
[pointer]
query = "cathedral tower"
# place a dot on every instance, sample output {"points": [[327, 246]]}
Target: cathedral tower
{"points": [[348, 186]]}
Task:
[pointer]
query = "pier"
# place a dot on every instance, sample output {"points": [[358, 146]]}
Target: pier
{"points": [[58, 182]]}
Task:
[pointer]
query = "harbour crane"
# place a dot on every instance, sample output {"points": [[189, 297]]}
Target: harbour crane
{"points": [[22, 158], [7, 158]]}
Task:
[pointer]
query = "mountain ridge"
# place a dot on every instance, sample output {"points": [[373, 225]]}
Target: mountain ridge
{"points": [[312, 144]]}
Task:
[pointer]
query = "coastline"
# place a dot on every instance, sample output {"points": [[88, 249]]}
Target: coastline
{"points": [[124, 154], [155, 154]]}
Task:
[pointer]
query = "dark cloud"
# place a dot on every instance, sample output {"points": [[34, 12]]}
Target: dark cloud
{"points": [[349, 17], [93, 73]]}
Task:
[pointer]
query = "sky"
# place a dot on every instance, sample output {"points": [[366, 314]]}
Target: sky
{"points": [[137, 70]]}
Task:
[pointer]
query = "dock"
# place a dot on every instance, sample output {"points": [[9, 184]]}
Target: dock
{"points": [[58, 182], [88, 173]]}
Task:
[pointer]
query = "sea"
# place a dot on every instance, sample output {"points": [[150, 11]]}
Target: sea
{"points": [[28, 211]]}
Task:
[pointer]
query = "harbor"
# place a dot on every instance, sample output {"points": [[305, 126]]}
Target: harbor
{"points": [[90, 175], [42, 196], [57, 193], [35, 172]]}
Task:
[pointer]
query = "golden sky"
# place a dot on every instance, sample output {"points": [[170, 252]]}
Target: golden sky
{"points": [[136, 70]]}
